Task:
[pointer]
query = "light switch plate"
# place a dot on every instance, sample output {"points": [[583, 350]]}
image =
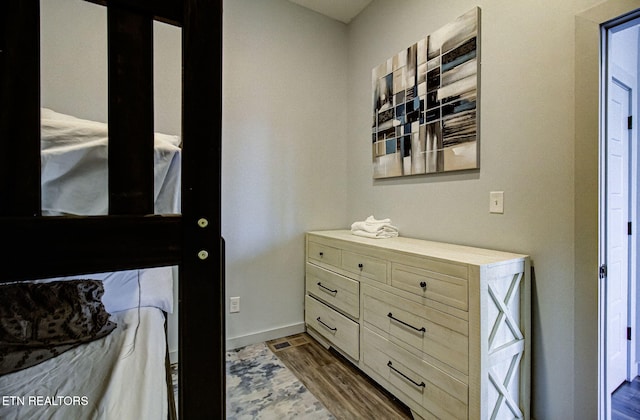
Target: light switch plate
{"points": [[496, 202]]}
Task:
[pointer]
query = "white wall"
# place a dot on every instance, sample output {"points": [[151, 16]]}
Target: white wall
{"points": [[284, 156], [527, 151], [74, 58]]}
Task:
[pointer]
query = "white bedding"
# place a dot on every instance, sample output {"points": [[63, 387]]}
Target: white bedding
{"points": [[132, 288], [121, 376], [74, 167]]}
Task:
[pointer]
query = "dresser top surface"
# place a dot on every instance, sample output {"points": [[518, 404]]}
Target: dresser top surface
{"points": [[440, 250]]}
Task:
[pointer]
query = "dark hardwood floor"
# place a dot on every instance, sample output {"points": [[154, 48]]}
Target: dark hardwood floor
{"points": [[345, 391], [625, 401], [349, 394]]}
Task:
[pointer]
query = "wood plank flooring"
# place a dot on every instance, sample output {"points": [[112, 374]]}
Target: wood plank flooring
{"points": [[625, 401], [345, 391]]}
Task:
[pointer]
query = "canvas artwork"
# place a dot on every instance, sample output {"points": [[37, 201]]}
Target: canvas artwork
{"points": [[425, 115]]}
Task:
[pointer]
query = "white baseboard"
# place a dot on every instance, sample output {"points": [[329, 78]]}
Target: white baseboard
{"points": [[259, 337]]}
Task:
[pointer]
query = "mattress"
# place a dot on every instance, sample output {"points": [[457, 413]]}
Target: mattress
{"points": [[121, 376]]}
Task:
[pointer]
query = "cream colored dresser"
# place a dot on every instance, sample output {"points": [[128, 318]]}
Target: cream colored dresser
{"points": [[444, 328]]}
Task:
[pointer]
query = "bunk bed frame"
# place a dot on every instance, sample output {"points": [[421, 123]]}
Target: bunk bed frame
{"points": [[130, 236]]}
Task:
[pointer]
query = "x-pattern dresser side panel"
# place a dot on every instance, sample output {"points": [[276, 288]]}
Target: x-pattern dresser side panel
{"points": [[505, 341]]}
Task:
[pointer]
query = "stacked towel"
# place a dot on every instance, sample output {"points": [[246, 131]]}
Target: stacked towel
{"points": [[372, 228]]}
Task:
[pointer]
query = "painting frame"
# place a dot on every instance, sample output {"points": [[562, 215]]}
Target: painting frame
{"points": [[426, 104]]}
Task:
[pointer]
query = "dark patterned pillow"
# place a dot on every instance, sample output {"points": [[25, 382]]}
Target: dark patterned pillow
{"points": [[39, 321]]}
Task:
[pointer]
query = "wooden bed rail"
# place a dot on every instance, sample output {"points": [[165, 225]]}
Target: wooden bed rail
{"points": [[37, 247]]}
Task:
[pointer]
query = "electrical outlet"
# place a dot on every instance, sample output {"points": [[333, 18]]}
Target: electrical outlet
{"points": [[234, 304]]}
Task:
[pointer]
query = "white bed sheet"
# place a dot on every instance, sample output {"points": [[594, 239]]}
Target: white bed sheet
{"points": [[121, 376], [74, 167]]}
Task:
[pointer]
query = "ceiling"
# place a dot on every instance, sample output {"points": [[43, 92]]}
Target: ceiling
{"points": [[342, 10]]}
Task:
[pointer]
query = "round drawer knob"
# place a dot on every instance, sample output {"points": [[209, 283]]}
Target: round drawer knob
{"points": [[321, 254], [360, 266], [423, 284], [203, 255], [203, 223]]}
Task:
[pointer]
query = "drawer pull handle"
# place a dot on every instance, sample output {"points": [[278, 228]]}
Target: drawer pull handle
{"points": [[321, 254], [360, 266], [390, 315], [423, 284], [320, 321], [421, 384], [326, 288]]}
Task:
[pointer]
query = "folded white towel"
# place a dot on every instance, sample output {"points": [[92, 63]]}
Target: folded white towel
{"points": [[372, 228], [377, 235]]}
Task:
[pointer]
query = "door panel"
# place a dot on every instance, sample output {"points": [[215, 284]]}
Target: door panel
{"points": [[617, 237]]}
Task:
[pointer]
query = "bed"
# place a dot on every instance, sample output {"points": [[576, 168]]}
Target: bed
{"points": [[127, 349], [134, 232]]}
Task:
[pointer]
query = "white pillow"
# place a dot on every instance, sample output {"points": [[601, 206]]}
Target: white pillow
{"points": [[121, 290]]}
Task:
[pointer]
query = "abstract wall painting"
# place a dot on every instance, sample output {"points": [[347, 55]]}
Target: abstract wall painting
{"points": [[425, 114]]}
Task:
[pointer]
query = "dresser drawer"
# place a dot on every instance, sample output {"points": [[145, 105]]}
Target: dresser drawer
{"points": [[364, 265], [439, 335], [338, 291], [324, 254], [425, 385], [452, 291], [333, 326]]}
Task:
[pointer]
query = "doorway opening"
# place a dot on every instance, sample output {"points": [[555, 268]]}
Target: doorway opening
{"points": [[620, 210]]}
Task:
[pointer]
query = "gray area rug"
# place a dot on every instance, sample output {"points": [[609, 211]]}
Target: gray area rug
{"points": [[260, 386]]}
